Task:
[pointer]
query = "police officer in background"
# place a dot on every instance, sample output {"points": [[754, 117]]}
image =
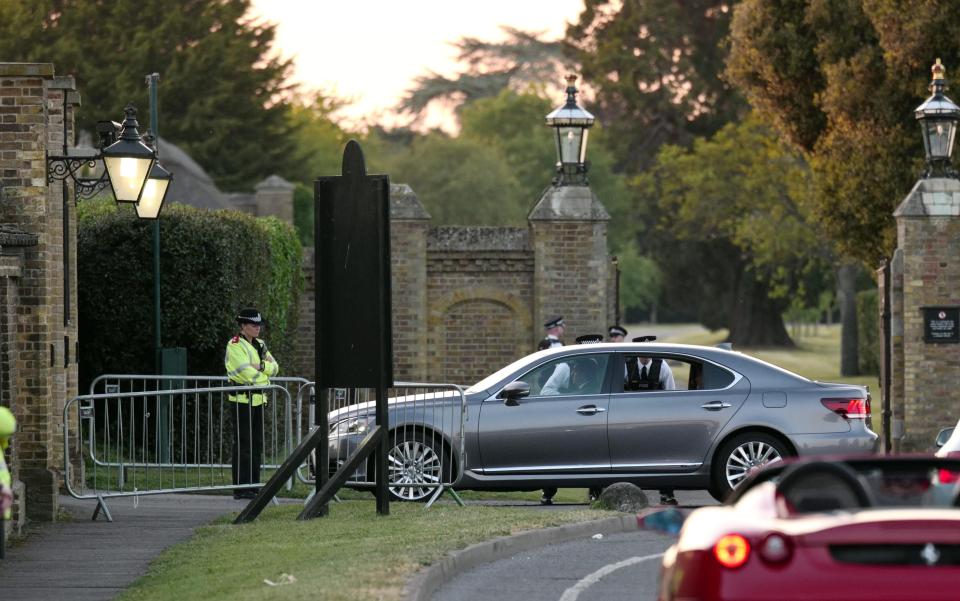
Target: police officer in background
{"points": [[555, 328], [248, 362]]}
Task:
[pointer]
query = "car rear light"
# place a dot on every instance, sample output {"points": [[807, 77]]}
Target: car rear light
{"points": [[848, 408], [949, 476], [775, 548], [732, 551]]}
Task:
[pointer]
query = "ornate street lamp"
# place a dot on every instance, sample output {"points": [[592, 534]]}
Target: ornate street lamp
{"points": [[128, 160], [570, 123], [154, 192], [938, 117]]}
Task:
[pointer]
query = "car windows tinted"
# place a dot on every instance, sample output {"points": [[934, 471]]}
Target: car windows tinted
{"points": [[568, 376], [675, 373]]}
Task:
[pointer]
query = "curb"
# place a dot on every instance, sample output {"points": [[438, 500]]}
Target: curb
{"points": [[423, 584]]}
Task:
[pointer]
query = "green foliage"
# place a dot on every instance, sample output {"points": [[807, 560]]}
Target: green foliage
{"points": [[212, 264], [839, 80], [743, 185], [303, 214], [868, 331], [655, 69], [641, 280], [461, 181], [222, 85], [318, 139]]}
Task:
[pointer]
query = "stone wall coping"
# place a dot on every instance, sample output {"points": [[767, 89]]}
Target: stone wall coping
{"points": [[478, 238], [569, 203], [404, 204], [26, 69], [931, 197], [63, 82]]}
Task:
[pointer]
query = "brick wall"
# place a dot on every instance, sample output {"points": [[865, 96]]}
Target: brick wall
{"points": [[926, 375], [468, 300], [44, 368]]}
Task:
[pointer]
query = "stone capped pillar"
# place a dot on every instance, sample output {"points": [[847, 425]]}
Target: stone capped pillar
{"points": [[568, 231], [926, 375], [274, 198], [409, 223], [36, 106]]}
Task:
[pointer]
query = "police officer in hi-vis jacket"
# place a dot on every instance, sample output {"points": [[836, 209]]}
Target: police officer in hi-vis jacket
{"points": [[248, 362]]}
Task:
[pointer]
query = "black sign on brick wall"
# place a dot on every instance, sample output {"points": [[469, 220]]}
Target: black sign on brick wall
{"points": [[941, 324]]}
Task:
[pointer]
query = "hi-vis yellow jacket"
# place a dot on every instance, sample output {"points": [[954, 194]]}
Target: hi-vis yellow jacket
{"points": [[243, 362], [4, 480]]}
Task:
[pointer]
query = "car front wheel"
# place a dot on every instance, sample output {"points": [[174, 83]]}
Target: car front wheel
{"points": [[416, 464], [741, 456]]}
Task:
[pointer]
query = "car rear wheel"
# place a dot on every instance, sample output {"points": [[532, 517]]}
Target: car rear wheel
{"points": [[741, 456], [416, 464]]}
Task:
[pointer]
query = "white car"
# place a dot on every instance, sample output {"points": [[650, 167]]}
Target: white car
{"points": [[949, 442]]}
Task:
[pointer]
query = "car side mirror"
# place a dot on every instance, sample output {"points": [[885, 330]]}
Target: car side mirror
{"points": [[513, 392], [944, 436]]}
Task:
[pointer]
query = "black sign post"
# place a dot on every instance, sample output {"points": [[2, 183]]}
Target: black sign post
{"points": [[941, 325], [353, 334]]}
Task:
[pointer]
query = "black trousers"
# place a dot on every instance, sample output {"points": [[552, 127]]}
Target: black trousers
{"points": [[247, 443]]}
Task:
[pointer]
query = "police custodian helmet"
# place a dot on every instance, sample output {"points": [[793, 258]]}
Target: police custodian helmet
{"points": [[249, 315]]}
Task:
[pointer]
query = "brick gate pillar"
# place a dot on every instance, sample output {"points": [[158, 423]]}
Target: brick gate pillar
{"points": [[926, 364], [568, 232], [409, 223], [34, 105]]}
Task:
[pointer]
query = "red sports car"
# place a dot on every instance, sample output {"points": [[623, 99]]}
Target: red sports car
{"points": [[870, 529]]}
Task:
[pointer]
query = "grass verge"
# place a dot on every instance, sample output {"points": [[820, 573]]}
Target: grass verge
{"points": [[351, 555]]}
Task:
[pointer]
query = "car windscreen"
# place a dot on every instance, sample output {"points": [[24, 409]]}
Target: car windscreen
{"points": [[816, 486]]}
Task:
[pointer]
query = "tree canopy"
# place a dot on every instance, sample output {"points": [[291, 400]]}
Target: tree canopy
{"points": [[839, 80], [654, 67], [222, 94]]}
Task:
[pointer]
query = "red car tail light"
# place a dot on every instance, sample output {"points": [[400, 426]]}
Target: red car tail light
{"points": [[732, 551], [775, 548], [949, 476], [848, 408]]}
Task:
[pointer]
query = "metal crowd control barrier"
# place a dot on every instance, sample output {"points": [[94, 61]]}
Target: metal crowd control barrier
{"points": [[426, 447], [161, 440]]}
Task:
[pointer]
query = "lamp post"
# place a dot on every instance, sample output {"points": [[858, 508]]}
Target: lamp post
{"points": [[938, 117], [132, 172], [571, 124]]}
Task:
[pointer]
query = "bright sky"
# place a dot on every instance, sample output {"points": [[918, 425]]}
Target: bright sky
{"points": [[371, 50]]}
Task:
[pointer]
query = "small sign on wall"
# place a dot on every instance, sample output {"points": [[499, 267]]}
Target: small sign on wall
{"points": [[941, 324]]}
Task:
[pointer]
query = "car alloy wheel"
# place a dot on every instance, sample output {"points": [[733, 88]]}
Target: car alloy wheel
{"points": [[747, 458], [414, 467]]}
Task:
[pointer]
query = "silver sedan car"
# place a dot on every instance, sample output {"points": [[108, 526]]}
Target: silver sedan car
{"points": [[657, 415]]}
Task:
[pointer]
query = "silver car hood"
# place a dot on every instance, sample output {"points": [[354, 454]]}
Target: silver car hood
{"points": [[371, 406]]}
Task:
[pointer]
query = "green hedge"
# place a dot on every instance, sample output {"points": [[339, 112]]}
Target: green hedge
{"points": [[212, 263], [868, 332]]}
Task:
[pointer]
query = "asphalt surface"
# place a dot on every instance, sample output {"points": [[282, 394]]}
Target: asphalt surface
{"points": [[594, 567], [605, 568]]}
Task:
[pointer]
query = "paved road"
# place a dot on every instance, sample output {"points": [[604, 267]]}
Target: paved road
{"points": [[614, 567], [609, 568]]}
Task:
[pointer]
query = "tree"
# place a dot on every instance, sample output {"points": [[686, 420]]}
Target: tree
{"points": [[655, 68], [520, 61], [839, 79], [461, 181], [743, 195], [222, 89]]}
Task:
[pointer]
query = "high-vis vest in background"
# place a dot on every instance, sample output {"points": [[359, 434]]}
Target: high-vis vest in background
{"points": [[242, 362], [4, 480]]}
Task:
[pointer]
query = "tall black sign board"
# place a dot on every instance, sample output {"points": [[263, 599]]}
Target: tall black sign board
{"points": [[354, 346], [941, 324]]}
